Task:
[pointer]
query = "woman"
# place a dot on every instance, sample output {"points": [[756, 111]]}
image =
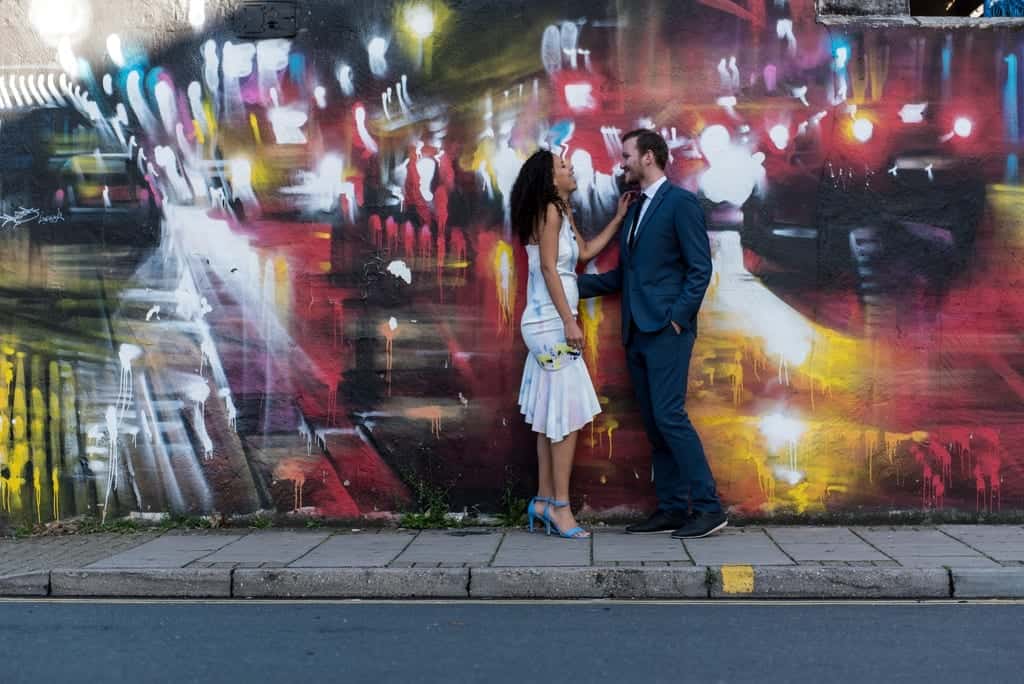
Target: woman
{"points": [[556, 395]]}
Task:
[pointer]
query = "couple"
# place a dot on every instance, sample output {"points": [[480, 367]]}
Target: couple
{"points": [[664, 269]]}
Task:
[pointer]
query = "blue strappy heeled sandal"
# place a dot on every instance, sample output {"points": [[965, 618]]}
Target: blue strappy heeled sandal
{"points": [[531, 515], [574, 533]]}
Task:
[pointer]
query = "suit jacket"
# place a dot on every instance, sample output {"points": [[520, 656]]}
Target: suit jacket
{"points": [[664, 277]]}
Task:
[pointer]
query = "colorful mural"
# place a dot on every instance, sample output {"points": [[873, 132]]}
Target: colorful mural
{"points": [[243, 274]]}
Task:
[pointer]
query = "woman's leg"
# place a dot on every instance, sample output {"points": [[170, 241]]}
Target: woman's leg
{"points": [[545, 479], [562, 454]]}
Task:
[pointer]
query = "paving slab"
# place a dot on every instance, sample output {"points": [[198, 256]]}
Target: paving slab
{"points": [[467, 547], [617, 546], [584, 583], [281, 546], [168, 551], [807, 534], [525, 549], [142, 582], [885, 539], [356, 550], [1002, 543], [911, 546], [749, 546], [847, 552], [20, 556], [976, 561], [378, 583]]}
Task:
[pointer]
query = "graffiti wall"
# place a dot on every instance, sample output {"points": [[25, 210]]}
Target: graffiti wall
{"points": [[243, 273]]}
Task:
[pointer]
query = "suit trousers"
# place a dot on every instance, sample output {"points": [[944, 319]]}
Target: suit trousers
{"points": [[659, 365]]}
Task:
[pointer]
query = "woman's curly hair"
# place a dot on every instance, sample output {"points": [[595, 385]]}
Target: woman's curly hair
{"points": [[532, 192]]}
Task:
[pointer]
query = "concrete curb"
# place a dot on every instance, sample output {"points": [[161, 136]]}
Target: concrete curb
{"points": [[151, 583], [822, 582], [583, 583], [1003, 583], [25, 584], [566, 583], [383, 583]]}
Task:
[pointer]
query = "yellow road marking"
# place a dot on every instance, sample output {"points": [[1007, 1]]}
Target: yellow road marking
{"points": [[738, 579]]}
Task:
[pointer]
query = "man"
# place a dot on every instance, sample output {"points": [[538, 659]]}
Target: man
{"points": [[663, 272]]}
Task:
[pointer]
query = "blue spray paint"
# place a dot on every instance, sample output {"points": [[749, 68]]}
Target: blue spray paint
{"points": [[1010, 116]]}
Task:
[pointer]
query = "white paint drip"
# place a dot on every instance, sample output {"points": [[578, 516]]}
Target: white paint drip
{"points": [[308, 436], [195, 102], [197, 13], [344, 76], [168, 161], [207, 351], [229, 406], [287, 123], [113, 467], [114, 50], [271, 59], [166, 105], [198, 391], [138, 102], [238, 59], [211, 67], [364, 134], [426, 167], [237, 64], [400, 269], [376, 50], [66, 58]]}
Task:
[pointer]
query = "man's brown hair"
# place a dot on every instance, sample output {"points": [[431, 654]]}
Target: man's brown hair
{"points": [[649, 141]]}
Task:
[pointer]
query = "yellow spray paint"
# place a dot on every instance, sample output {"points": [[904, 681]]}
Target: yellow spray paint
{"points": [[211, 119], [37, 486], [591, 315], [481, 160], [19, 428], [200, 138], [610, 426], [255, 125], [388, 329], [735, 373], [6, 378], [282, 289], [55, 483], [503, 263], [55, 440], [40, 473]]}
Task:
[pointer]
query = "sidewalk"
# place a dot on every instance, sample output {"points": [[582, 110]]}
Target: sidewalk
{"points": [[953, 561]]}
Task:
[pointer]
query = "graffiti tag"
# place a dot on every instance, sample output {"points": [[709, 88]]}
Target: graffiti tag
{"points": [[23, 216]]}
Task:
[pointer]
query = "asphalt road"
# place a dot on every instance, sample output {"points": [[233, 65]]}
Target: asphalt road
{"points": [[509, 642]]}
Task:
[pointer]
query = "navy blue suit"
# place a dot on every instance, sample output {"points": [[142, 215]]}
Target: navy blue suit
{"points": [[663, 279]]}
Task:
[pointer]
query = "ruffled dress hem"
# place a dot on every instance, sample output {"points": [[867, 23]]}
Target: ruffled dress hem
{"points": [[556, 403]]}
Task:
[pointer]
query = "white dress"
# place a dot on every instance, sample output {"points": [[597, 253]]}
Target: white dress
{"points": [[556, 396]]}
